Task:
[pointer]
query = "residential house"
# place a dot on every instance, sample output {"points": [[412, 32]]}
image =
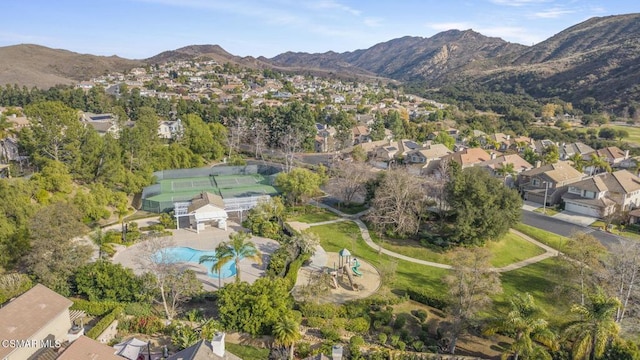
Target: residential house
{"points": [[614, 156], [360, 134], [102, 123], [427, 157], [206, 208], [548, 182], [567, 150], [498, 162], [87, 348], [324, 140], [170, 129], [468, 157], [206, 350], [40, 316], [539, 145], [603, 194]]}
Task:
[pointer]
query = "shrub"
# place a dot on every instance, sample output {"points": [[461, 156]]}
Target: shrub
{"points": [[382, 338], [401, 345], [138, 309], [325, 311], [394, 340], [315, 322], [356, 340], [303, 349], [383, 317], [278, 262], [400, 322], [427, 298], [330, 334], [294, 267], [146, 324], [94, 308], [339, 323], [102, 325], [358, 325], [418, 345], [421, 315]]}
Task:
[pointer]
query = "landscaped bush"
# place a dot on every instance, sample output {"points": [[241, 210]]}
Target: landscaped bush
{"points": [[418, 345], [325, 311], [303, 349], [382, 338], [421, 315], [102, 325], [315, 322], [330, 334], [294, 266], [339, 323], [278, 262], [400, 322], [138, 309], [358, 325], [356, 340], [401, 345], [147, 324], [427, 298], [94, 308], [382, 317]]}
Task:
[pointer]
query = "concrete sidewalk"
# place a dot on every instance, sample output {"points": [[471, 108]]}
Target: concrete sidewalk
{"points": [[575, 218]]}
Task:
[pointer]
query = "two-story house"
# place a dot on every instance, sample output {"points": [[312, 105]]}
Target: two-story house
{"points": [[170, 129], [603, 194], [468, 157], [498, 162], [568, 150], [427, 157], [547, 183]]}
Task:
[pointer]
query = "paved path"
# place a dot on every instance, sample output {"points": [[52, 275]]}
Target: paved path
{"points": [[549, 251]]}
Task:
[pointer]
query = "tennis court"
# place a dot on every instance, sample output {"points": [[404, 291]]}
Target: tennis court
{"points": [[186, 188]]}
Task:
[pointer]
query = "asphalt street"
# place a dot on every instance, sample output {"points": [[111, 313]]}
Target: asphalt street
{"points": [[564, 228]]}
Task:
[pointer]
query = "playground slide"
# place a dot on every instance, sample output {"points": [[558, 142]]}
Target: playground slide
{"points": [[346, 271], [355, 268]]}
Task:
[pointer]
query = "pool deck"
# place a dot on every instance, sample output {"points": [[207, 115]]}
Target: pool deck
{"points": [[208, 239]]}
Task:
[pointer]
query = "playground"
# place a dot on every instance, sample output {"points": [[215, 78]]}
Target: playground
{"points": [[350, 278]]}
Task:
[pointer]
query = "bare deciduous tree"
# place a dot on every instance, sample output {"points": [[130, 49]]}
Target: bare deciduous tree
{"points": [[173, 284], [290, 144], [399, 203], [471, 285], [587, 253], [348, 180], [623, 275], [237, 131]]}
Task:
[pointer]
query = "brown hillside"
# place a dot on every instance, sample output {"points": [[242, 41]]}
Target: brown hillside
{"points": [[34, 65]]}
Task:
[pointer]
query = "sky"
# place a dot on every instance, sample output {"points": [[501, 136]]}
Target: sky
{"points": [[137, 29]]}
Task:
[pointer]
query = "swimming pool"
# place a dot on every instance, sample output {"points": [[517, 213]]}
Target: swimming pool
{"points": [[187, 254]]}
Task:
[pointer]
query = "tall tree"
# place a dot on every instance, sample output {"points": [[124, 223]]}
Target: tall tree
{"points": [[482, 207], [595, 328], [623, 270], [299, 185], [55, 254], [398, 204], [286, 332], [348, 180], [587, 253], [526, 324], [471, 285], [235, 250], [577, 161], [505, 171], [598, 164]]}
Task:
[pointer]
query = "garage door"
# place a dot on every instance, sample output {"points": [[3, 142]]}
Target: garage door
{"points": [[582, 209]]}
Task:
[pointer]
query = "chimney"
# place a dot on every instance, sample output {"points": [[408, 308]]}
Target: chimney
{"points": [[493, 155], [217, 344], [538, 163], [336, 352], [626, 154]]}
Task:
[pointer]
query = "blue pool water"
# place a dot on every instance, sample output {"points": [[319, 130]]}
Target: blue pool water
{"points": [[187, 254]]}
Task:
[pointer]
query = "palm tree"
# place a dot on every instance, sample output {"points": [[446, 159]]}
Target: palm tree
{"points": [[287, 332], [525, 321], [597, 163], [595, 328], [505, 170], [234, 250], [577, 161]]}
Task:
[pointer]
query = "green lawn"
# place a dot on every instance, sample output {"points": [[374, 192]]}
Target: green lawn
{"points": [[511, 249], [310, 214], [546, 211], [247, 352], [550, 239], [546, 281], [634, 133], [352, 208], [334, 237]]}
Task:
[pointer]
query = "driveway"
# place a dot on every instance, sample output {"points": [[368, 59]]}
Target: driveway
{"points": [[575, 218]]}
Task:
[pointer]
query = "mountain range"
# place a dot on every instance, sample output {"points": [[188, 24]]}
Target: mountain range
{"points": [[599, 57]]}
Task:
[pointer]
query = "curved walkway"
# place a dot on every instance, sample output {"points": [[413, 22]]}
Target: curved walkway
{"points": [[549, 251]]}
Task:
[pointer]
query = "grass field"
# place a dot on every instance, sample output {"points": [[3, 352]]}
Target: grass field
{"points": [[634, 133], [555, 241], [310, 214], [334, 237], [510, 249], [247, 352]]}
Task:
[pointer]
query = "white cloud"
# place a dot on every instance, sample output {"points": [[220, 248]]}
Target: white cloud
{"points": [[450, 26], [334, 5], [518, 3], [552, 13], [373, 22]]}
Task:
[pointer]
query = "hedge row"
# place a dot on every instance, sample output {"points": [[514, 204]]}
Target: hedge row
{"points": [[94, 308], [428, 299], [104, 323], [294, 266]]}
